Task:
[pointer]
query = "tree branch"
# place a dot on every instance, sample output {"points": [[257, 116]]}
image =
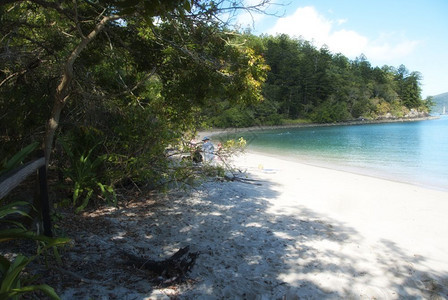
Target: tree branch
{"points": [[56, 6], [62, 91], [75, 3], [32, 65], [5, 2]]}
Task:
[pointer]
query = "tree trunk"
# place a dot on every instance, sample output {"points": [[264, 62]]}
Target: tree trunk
{"points": [[62, 91]]}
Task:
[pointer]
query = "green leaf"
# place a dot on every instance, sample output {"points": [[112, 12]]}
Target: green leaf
{"points": [[4, 265], [11, 208], [4, 213], [48, 290], [188, 4], [16, 224], [76, 192], [10, 278], [85, 202], [18, 158], [128, 3], [17, 233]]}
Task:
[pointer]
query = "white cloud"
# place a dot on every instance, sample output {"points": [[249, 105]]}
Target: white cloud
{"points": [[387, 52], [342, 21], [307, 23], [348, 42]]}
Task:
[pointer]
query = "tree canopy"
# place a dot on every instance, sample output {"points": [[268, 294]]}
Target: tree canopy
{"points": [[112, 84], [314, 84]]}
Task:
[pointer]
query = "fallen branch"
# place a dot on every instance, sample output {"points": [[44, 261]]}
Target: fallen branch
{"points": [[169, 270]]}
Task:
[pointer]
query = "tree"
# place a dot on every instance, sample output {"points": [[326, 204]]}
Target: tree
{"points": [[69, 20], [409, 89], [75, 25], [305, 82]]}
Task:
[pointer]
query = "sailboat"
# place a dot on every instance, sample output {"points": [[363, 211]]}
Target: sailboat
{"points": [[444, 110]]}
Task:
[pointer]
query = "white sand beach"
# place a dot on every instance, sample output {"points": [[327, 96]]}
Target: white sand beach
{"points": [[295, 232]]}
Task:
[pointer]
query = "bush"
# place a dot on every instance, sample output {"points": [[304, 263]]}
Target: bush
{"points": [[329, 112]]}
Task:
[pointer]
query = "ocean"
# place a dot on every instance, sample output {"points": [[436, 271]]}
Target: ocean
{"points": [[411, 152]]}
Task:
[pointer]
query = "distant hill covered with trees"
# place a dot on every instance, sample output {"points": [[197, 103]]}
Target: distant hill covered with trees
{"points": [[440, 101], [306, 84]]}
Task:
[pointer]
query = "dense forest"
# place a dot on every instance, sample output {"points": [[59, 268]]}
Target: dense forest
{"points": [[306, 84], [118, 81]]}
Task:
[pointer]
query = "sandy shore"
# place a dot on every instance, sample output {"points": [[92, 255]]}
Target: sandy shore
{"points": [[296, 231], [376, 238]]}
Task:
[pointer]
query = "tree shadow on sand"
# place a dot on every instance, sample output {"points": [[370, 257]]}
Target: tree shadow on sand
{"points": [[246, 249]]}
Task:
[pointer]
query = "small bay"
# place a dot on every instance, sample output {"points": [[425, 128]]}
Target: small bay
{"points": [[411, 152]]}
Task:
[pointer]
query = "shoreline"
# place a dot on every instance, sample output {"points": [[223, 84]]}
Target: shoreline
{"points": [[271, 167], [353, 170], [315, 161], [218, 131]]}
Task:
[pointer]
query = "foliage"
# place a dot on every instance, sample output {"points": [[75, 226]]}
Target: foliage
{"points": [[295, 121], [428, 104], [84, 173], [190, 172], [223, 152], [304, 82], [231, 147], [234, 116], [118, 81], [17, 159], [13, 282], [208, 171], [329, 112]]}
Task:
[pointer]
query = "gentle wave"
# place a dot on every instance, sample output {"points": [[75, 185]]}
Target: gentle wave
{"points": [[412, 152]]}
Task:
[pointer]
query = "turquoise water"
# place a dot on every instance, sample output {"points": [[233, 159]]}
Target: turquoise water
{"points": [[412, 152]]}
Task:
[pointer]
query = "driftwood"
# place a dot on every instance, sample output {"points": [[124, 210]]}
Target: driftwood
{"points": [[169, 270]]}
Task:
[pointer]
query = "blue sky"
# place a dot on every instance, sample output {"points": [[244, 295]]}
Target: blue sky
{"points": [[387, 32]]}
